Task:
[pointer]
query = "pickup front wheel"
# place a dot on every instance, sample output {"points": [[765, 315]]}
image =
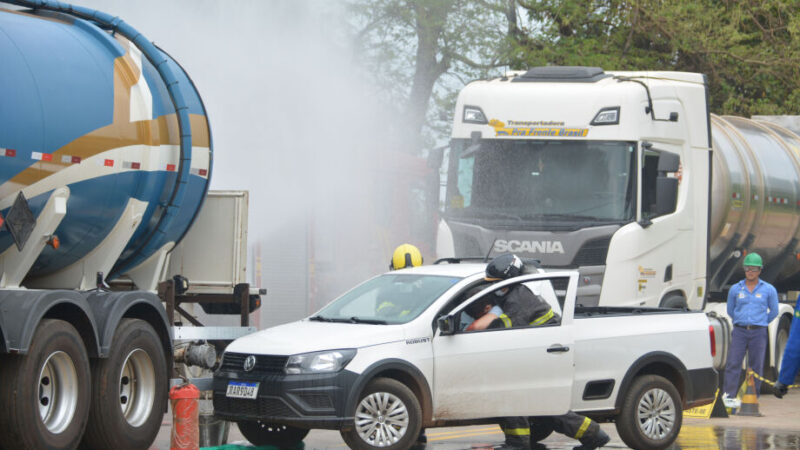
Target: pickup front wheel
{"points": [[387, 416], [651, 413]]}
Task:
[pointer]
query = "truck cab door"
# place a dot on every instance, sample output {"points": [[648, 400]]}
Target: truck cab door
{"points": [[506, 371]]}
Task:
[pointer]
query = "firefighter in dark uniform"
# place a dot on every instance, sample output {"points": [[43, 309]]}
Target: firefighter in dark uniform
{"points": [[521, 307]]}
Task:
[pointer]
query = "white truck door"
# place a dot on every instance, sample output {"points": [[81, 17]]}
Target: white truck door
{"points": [[509, 371]]}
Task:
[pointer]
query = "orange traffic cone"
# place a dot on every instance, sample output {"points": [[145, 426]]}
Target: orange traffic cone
{"points": [[750, 400]]}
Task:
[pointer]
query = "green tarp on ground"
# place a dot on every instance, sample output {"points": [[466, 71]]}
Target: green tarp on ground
{"points": [[299, 446]]}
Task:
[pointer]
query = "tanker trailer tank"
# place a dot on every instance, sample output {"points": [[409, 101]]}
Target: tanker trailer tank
{"points": [[755, 200], [108, 121]]}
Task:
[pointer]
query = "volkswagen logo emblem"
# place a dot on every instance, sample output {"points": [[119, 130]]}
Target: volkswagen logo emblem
{"points": [[249, 363]]}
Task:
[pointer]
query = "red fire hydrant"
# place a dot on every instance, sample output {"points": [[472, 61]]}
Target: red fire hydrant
{"points": [[185, 422]]}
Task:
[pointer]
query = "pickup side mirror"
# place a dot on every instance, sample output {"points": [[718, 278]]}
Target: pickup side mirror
{"points": [[446, 325]]}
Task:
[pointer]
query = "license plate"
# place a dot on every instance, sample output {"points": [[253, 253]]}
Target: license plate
{"points": [[242, 389]]}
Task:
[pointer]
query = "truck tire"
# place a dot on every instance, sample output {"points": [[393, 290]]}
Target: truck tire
{"points": [[651, 414], [45, 394], [263, 433], [387, 416], [129, 389], [541, 428], [781, 338], [674, 301]]}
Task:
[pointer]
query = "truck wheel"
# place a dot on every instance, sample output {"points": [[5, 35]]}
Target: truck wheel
{"points": [[674, 301], [263, 433], [781, 338], [129, 389], [541, 427], [651, 413], [45, 394], [387, 416]]}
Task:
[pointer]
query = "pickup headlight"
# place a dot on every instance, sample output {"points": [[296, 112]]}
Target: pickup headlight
{"points": [[319, 362]]}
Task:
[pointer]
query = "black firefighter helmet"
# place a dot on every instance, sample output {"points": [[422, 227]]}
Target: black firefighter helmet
{"points": [[504, 267]]}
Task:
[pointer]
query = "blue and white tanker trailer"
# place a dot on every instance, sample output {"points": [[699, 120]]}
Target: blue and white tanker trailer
{"points": [[105, 159]]}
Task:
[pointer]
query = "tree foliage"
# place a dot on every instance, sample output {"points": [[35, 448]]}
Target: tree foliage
{"points": [[749, 49], [422, 52]]}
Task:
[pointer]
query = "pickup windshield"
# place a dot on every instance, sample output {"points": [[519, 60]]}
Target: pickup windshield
{"points": [[387, 299], [541, 184]]}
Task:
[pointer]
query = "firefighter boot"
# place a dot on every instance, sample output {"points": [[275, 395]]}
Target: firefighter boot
{"points": [[594, 440], [517, 432]]}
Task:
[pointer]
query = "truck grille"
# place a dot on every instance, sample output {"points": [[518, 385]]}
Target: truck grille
{"points": [[234, 362], [261, 407], [592, 253]]}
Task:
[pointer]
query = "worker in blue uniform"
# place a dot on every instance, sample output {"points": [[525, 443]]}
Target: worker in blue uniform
{"points": [[791, 357], [752, 305]]}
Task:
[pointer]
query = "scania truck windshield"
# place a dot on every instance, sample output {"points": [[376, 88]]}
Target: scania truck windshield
{"points": [[541, 184]]}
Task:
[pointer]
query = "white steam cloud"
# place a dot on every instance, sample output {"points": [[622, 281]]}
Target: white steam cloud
{"points": [[293, 122]]}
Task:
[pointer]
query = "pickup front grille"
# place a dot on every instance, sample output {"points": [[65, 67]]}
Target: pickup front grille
{"points": [[234, 362], [260, 407]]}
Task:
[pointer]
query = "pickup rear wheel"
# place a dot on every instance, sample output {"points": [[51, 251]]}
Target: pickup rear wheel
{"points": [[129, 389], [264, 433], [45, 394], [651, 413], [387, 416]]}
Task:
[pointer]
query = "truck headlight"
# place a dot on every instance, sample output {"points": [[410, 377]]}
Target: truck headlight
{"points": [[606, 116], [474, 114], [319, 362]]}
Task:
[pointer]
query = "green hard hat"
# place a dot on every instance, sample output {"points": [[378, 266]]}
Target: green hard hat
{"points": [[753, 259]]}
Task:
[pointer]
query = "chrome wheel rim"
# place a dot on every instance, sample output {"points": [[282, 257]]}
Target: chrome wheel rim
{"points": [[780, 346], [137, 387], [381, 419], [58, 392], [656, 414]]}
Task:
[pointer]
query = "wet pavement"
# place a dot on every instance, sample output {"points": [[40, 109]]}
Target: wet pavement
{"points": [[777, 428]]}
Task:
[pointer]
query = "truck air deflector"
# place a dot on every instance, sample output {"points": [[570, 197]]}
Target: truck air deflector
{"points": [[562, 74]]}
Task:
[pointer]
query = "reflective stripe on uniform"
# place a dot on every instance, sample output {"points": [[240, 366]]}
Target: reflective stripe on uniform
{"points": [[384, 305], [506, 320], [549, 315], [584, 426], [517, 431]]}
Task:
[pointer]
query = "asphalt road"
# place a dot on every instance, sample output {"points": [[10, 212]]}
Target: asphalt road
{"points": [[777, 428]]}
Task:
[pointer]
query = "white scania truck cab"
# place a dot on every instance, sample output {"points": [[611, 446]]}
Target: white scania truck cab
{"points": [[627, 178]]}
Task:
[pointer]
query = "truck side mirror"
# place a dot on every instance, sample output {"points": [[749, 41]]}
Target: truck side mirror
{"points": [[666, 195], [668, 162], [667, 188], [446, 325]]}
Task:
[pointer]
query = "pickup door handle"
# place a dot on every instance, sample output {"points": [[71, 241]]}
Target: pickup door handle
{"points": [[557, 349]]}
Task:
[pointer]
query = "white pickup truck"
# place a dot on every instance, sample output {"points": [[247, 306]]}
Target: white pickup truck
{"points": [[389, 357]]}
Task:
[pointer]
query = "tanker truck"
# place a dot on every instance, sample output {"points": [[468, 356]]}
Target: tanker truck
{"points": [[628, 178], [105, 160]]}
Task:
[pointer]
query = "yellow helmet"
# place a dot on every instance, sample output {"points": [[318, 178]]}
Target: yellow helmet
{"points": [[404, 256]]}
